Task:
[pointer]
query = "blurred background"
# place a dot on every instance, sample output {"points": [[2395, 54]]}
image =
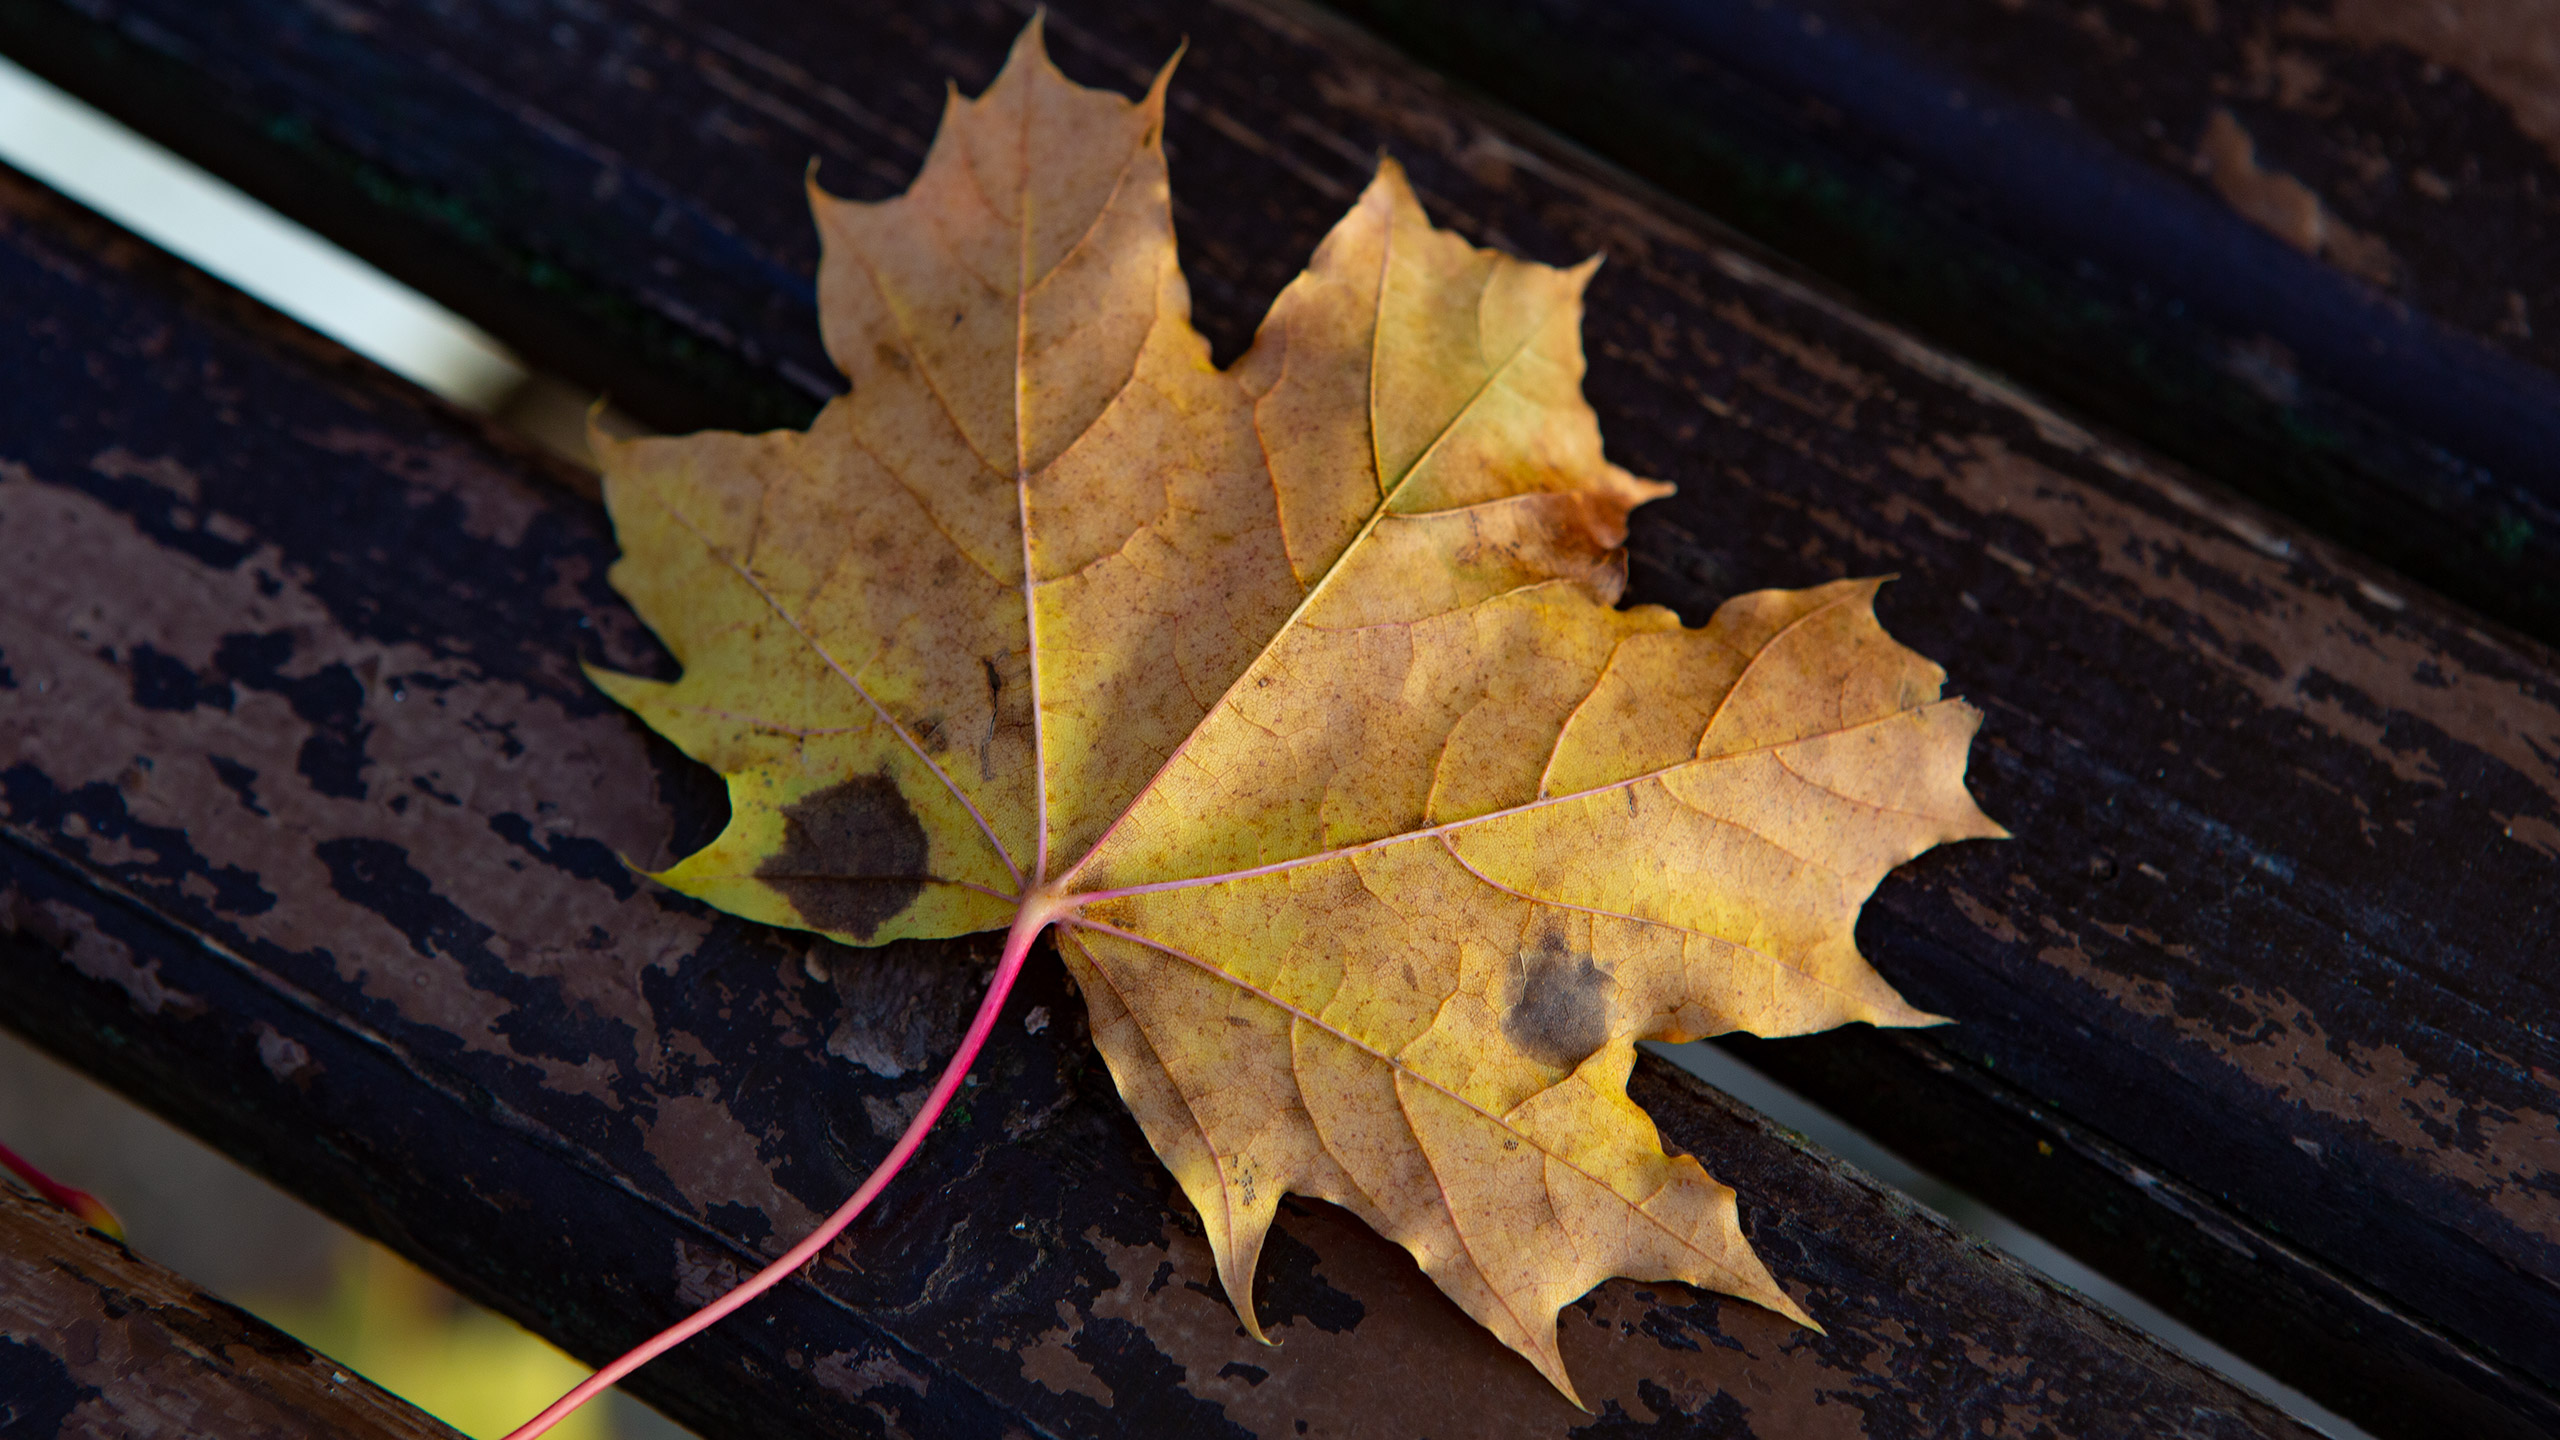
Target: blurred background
{"points": [[232, 1233], [199, 1214]]}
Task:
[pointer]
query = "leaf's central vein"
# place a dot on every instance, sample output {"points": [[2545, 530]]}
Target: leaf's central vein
{"points": [[1022, 503], [1340, 562]]}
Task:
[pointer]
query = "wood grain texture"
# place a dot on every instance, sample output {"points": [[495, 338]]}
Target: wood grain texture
{"points": [[311, 838], [96, 1342], [2268, 970], [2298, 246]]}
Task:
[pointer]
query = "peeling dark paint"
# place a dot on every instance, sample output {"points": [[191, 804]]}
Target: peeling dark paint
{"points": [[1288, 1288], [164, 682], [330, 699], [96, 1341], [101, 816], [37, 1393], [569, 854], [239, 779], [377, 875]]}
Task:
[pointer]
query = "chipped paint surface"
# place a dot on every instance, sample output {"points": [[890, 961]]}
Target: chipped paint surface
{"points": [[1384, 1356], [499, 514], [2510, 48], [712, 1159], [1432, 1371], [2533, 832], [1050, 1360], [703, 1274], [96, 1342], [2237, 605], [347, 812], [100, 956], [2509, 1157], [2285, 207]]}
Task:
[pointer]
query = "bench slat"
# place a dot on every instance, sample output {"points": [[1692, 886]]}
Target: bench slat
{"points": [[94, 1341], [2267, 974]]}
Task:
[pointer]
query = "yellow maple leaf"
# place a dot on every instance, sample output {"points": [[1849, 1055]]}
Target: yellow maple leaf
{"points": [[1293, 695]]}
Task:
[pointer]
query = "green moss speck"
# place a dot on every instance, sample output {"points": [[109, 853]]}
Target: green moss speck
{"points": [[2508, 537]]}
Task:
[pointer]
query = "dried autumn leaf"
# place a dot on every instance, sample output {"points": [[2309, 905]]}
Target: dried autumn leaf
{"points": [[1292, 694]]}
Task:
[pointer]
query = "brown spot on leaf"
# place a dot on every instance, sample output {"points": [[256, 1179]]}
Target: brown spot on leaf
{"points": [[852, 856], [1561, 1011]]}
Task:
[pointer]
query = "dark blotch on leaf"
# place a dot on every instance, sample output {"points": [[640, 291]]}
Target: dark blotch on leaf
{"points": [[1560, 1013], [852, 856]]}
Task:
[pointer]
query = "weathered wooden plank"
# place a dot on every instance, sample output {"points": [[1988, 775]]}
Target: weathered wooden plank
{"points": [[2269, 969], [2014, 179], [96, 1342], [2311, 249], [310, 839]]}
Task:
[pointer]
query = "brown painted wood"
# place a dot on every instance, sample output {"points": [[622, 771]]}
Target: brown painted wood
{"points": [[2413, 148], [310, 839], [2258, 1010], [97, 1342]]}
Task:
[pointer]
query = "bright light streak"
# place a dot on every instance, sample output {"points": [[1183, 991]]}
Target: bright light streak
{"points": [[180, 208]]}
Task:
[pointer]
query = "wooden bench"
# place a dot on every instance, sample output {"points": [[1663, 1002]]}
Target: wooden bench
{"points": [[94, 1341], [311, 823]]}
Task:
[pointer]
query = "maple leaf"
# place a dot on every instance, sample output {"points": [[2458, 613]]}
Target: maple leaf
{"points": [[1293, 695]]}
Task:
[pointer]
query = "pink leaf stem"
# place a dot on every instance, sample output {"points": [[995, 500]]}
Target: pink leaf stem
{"points": [[93, 1212], [1029, 921]]}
